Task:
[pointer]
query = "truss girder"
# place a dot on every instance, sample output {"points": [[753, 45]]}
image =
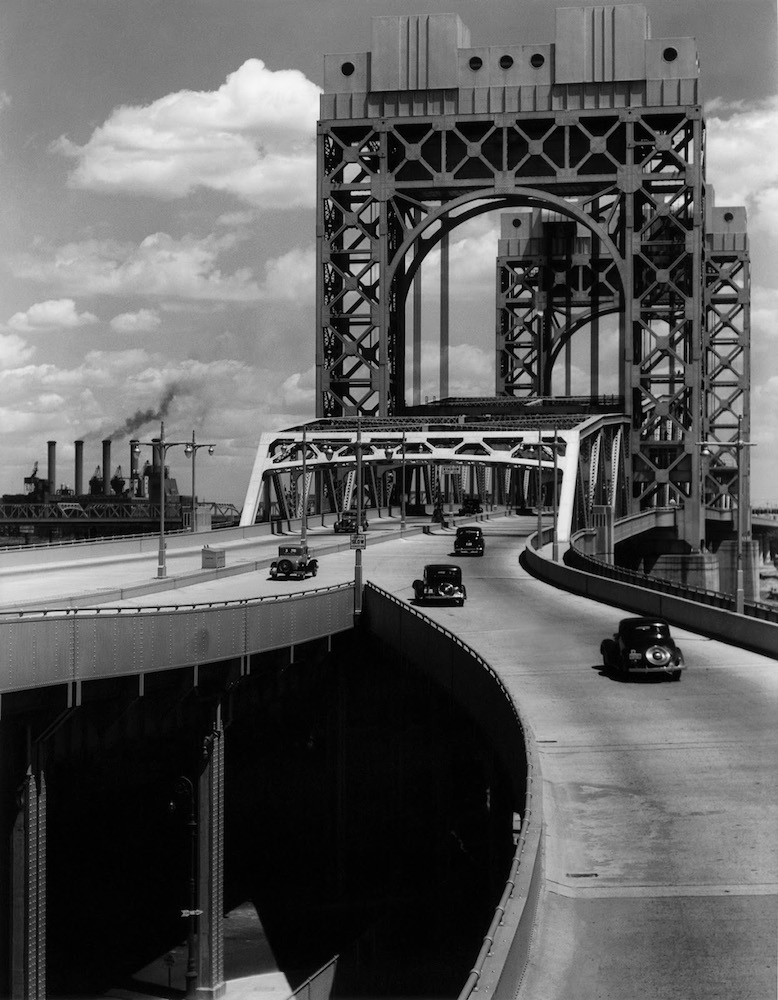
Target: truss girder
{"points": [[490, 457], [635, 173], [728, 376]]}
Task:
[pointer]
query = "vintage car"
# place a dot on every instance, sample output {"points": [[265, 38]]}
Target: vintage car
{"points": [[347, 522], [441, 582], [469, 541], [294, 560], [470, 505], [643, 646]]}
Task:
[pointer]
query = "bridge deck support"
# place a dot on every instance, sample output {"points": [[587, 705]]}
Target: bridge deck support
{"points": [[28, 890], [210, 868]]}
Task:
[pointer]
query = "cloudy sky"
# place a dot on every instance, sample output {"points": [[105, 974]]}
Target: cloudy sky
{"points": [[157, 168]]}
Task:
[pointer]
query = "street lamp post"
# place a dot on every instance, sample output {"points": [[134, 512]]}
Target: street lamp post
{"points": [[162, 447], [191, 448], [402, 486], [304, 519], [539, 497]]}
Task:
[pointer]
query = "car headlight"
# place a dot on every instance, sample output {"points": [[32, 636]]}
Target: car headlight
{"points": [[658, 656]]}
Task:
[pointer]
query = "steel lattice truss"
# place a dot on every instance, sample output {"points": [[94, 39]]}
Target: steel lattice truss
{"points": [[727, 369], [515, 462], [390, 189]]}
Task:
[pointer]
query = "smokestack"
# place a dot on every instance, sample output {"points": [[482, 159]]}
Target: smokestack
{"points": [[134, 459], [52, 473], [106, 467], [155, 462], [79, 468]]}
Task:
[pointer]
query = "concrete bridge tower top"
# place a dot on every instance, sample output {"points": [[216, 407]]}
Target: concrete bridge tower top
{"points": [[433, 52]]}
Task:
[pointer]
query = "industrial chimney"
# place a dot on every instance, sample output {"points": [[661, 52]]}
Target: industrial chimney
{"points": [[106, 467], [79, 487], [52, 473]]}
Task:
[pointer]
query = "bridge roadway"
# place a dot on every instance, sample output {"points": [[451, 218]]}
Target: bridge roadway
{"points": [[659, 800]]}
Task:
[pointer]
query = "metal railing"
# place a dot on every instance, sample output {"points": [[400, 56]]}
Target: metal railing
{"points": [[51, 646], [713, 598], [319, 985]]}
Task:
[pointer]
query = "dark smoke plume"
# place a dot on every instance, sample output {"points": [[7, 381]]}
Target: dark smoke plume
{"points": [[142, 417]]}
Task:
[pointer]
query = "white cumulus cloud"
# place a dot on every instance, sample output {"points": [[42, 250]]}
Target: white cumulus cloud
{"points": [[253, 138], [742, 158], [14, 351], [143, 321], [158, 266], [54, 314]]}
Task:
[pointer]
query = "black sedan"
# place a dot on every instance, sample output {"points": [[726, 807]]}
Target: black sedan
{"points": [[643, 646]]}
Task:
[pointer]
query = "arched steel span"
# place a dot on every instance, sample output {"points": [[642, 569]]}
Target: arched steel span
{"points": [[496, 201]]}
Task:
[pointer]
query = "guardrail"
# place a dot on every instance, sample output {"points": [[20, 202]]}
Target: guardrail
{"points": [[39, 648], [635, 595], [714, 598], [504, 951]]}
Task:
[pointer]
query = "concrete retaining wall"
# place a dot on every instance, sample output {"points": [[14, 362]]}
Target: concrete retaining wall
{"points": [[472, 683], [738, 630]]}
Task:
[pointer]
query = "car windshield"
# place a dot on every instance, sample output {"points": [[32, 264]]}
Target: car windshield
{"points": [[468, 532], [290, 550]]}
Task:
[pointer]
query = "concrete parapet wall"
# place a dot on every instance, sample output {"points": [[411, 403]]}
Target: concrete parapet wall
{"points": [[738, 630], [475, 685]]}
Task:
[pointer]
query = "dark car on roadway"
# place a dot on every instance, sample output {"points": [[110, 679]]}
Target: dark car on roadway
{"points": [[347, 522], [469, 541], [441, 582], [643, 646], [470, 505], [294, 560]]}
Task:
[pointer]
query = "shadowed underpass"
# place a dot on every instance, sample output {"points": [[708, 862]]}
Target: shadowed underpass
{"points": [[365, 815]]}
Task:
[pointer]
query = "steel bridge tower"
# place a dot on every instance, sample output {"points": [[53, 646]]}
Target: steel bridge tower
{"points": [[594, 141]]}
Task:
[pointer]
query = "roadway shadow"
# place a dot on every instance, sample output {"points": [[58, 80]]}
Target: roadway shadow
{"points": [[619, 677], [612, 675]]}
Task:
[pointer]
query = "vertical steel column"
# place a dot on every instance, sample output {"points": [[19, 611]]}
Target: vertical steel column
{"points": [[417, 299], [210, 866], [381, 379], [28, 891], [444, 314]]}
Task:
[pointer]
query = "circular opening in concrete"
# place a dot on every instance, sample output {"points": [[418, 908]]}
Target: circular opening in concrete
{"points": [[537, 60], [670, 54], [347, 68], [728, 217], [476, 62], [517, 223], [506, 62]]}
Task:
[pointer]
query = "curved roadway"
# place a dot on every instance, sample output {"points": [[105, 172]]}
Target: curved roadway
{"points": [[661, 844], [660, 799]]}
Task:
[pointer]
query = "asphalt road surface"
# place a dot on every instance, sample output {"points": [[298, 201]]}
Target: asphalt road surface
{"points": [[660, 800]]}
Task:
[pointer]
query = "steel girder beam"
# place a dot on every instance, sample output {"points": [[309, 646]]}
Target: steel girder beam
{"points": [[486, 450], [634, 173], [603, 128], [727, 363], [551, 282]]}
